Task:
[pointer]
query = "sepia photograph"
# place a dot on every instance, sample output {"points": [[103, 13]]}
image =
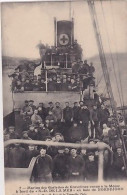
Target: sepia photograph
{"points": [[64, 96]]}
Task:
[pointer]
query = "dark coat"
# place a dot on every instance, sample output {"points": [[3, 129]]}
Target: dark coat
{"points": [[75, 133], [17, 157], [76, 113], [67, 113], [51, 86], [91, 170], [76, 165], [84, 115], [29, 154], [43, 165], [59, 166]]}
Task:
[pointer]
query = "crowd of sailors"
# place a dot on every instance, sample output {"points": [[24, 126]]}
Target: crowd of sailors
{"points": [[24, 79], [77, 124]]}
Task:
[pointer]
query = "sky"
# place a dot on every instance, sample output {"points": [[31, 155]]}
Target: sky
{"points": [[25, 24]]}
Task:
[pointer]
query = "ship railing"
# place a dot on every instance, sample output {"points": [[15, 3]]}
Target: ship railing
{"points": [[100, 146]]}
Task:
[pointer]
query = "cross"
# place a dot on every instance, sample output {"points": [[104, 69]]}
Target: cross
{"points": [[64, 39]]}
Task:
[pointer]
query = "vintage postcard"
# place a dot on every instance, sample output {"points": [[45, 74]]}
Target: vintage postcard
{"points": [[64, 97]]}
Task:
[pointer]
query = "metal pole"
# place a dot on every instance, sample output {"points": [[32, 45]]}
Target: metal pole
{"points": [[51, 60], [46, 80], [55, 32], [100, 165], [66, 59]]}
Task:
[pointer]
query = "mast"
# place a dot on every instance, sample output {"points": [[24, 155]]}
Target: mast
{"points": [[106, 73]]}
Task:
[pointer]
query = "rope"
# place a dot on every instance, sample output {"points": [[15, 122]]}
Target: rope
{"points": [[118, 64]]}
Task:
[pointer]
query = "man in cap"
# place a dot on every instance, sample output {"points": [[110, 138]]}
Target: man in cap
{"points": [[64, 85], [67, 114], [57, 112], [26, 111], [11, 133], [42, 85], [30, 153], [91, 168], [50, 108], [51, 85], [32, 133], [59, 166], [43, 132], [43, 167], [17, 156], [75, 166], [118, 164], [75, 109], [35, 118], [42, 111], [28, 85], [75, 133], [31, 104], [84, 118]]}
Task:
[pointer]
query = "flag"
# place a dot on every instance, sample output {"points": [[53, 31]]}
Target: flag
{"points": [[65, 33]]}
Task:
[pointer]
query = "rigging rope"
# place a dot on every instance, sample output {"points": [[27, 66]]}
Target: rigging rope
{"points": [[118, 64]]}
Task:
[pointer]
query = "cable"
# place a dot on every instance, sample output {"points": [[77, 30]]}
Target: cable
{"points": [[118, 64]]}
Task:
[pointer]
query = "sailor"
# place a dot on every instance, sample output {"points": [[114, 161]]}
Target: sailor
{"points": [[64, 85], [75, 166], [17, 156], [58, 84], [118, 164], [29, 154], [91, 69], [32, 133], [75, 133], [103, 115], [91, 168], [42, 111], [43, 167], [67, 114], [31, 104], [76, 109], [59, 166], [51, 85], [26, 111], [43, 132], [28, 85], [42, 85], [35, 118], [11, 133], [84, 118], [57, 111]]}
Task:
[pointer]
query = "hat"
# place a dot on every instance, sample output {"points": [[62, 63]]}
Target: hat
{"points": [[81, 101], [50, 103], [48, 137], [61, 148], [90, 154], [11, 127], [24, 132], [31, 100], [43, 147], [58, 134], [26, 101]]}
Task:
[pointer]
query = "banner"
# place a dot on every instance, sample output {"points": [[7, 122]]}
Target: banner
{"points": [[64, 33]]}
